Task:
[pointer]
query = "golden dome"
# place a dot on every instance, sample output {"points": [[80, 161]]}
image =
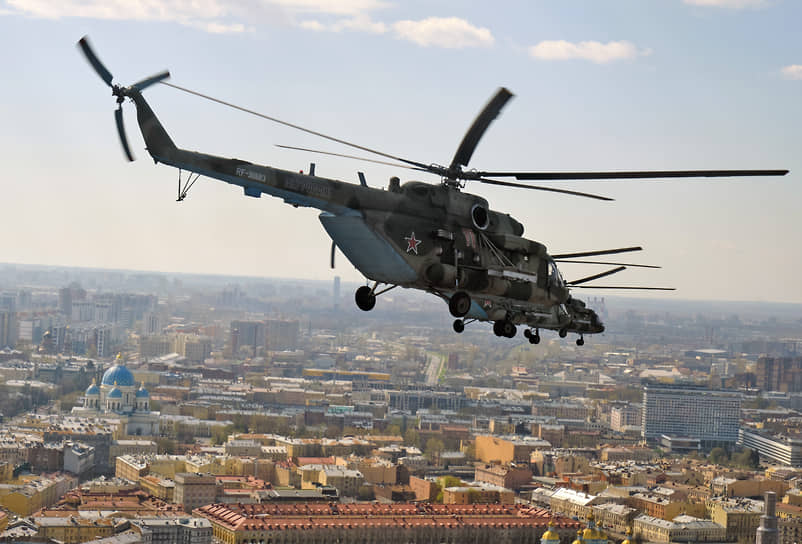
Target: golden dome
{"points": [[550, 535], [628, 533]]}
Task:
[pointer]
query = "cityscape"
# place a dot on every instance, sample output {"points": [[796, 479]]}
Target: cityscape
{"points": [[519, 272], [144, 407]]}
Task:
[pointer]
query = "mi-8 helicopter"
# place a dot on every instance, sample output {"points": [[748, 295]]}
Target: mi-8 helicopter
{"points": [[435, 238]]}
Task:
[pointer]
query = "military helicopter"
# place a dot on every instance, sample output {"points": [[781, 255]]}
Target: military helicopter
{"points": [[436, 238]]}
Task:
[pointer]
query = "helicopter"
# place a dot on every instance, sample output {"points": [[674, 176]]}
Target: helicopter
{"points": [[432, 237]]}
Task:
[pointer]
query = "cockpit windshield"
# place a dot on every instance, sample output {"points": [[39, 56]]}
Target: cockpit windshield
{"points": [[555, 278]]}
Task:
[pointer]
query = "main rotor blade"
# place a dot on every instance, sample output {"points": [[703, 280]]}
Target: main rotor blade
{"points": [[396, 165], [655, 174], [428, 168], [608, 263], [600, 252], [101, 70], [118, 118], [623, 287], [538, 188], [148, 81], [479, 126], [596, 276]]}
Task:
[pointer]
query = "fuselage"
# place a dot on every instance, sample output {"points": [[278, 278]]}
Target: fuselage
{"points": [[416, 235]]}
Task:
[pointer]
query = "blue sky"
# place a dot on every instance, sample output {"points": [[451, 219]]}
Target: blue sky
{"points": [[599, 84]]}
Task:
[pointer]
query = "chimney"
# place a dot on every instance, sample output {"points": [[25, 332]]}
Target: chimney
{"points": [[767, 532]]}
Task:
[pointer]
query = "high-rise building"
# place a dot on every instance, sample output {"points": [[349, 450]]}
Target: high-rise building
{"points": [[336, 292], [690, 411], [779, 374], [8, 329], [281, 335]]}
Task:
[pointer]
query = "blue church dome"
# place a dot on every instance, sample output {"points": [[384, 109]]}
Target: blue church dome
{"points": [[93, 389], [119, 374], [142, 393], [115, 394]]}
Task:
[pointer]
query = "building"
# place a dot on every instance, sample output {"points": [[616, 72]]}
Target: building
{"points": [[509, 477], [711, 416], [779, 374], [382, 523], [494, 449], [626, 418], [780, 449], [193, 490], [681, 529], [281, 335], [118, 397], [79, 459], [195, 530], [741, 517], [478, 494], [8, 329], [73, 529]]}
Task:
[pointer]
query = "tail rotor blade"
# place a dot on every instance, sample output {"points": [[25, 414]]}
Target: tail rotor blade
{"points": [[118, 118], [333, 252], [101, 70], [148, 81]]}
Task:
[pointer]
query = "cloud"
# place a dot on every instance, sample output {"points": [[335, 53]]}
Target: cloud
{"points": [[359, 23], [730, 4], [794, 71], [597, 52], [214, 16], [448, 32]]}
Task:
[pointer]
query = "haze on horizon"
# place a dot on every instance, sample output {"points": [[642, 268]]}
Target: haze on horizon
{"points": [[615, 85]]}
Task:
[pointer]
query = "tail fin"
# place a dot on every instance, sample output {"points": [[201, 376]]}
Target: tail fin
{"points": [[157, 141]]}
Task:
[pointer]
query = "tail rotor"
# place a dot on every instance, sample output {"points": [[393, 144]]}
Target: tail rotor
{"points": [[118, 90]]}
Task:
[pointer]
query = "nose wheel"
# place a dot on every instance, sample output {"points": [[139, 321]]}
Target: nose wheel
{"points": [[580, 341], [459, 326]]}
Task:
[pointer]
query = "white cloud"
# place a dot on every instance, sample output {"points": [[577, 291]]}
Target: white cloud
{"points": [[214, 16], [597, 52], [794, 71], [731, 4], [448, 32]]}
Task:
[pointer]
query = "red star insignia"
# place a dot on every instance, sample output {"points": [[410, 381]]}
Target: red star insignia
{"points": [[412, 243]]}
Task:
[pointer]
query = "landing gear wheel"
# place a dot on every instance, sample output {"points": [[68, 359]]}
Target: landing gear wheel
{"points": [[580, 341], [534, 338], [509, 329], [460, 304], [498, 328], [563, 333], [365, 299], [459, 325], [527, 333]]}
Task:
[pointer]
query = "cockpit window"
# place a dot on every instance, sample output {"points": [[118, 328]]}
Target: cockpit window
{"points": [[554, 274]]}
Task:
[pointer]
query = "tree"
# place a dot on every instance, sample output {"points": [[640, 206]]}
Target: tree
{"points": [[412, 438], [718, 456], [434, 447]]}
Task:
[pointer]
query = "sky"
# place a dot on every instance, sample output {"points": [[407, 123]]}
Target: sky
{"points": [[599, 85]]}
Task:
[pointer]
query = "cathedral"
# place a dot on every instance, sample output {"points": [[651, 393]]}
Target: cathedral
{"points": [[118, 397]]}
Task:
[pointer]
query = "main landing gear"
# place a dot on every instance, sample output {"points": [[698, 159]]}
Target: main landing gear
{"points": [[505, 327], [534, 338], [365, 299], [580, 341], [460, 304], [365, 296]]}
